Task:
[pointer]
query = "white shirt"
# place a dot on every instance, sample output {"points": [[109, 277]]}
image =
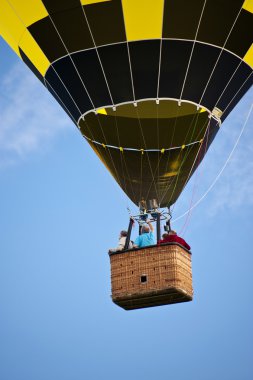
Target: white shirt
{"points": [[121, 245]]}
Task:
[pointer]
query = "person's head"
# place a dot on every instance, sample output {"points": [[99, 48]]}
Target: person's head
{"points": [[171, 232], [145, 229], [123, 233], [165, 235]]}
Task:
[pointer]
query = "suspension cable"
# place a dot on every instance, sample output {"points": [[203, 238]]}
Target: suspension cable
{"points": [[174, 182], [144, 142], [196, 179], [193, 46], [222, 169], [129, 56], [99, 59], [122, 159], [160, 55], [217, 61], [195, 159]]}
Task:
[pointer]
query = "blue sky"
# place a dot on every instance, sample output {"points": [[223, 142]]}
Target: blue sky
{"points": [[61, 210]]}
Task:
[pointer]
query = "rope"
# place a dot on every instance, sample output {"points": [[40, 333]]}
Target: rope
{"points": [[73, 63], [59, 99], [142, 153], [196, 157], [65, 89], [122, 159], [232, 76], [196, 179], [141, 150], [129, 57], [160, 55], [94, 42], [158, 145], [180, 147], [90, 131], [144, 142], [222, 169], [122, 167], [195, 118], [156, 169], [220, 54], [248, 77], [168, 159], [113, 163], [193, 46]]}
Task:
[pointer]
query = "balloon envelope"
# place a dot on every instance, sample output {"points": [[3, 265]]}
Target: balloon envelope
{"points": [[147, 82]]}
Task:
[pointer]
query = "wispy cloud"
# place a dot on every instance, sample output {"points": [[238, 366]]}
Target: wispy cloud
{"points": [[30, 117]]}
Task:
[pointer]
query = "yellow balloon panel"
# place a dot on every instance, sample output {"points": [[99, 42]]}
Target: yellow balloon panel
{"points": [[87, 2], [248, 5], [34, 53], [11, 27], [28, 11], [143, 19], [248, 58]]}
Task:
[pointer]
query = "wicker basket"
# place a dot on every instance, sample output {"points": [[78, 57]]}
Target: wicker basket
{"points": [[151, 276]]}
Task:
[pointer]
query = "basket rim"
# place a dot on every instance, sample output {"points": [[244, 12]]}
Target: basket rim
{"points": [[147, 247]]}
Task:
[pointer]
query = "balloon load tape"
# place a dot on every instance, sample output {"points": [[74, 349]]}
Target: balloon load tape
{"points": [[217, 113]]}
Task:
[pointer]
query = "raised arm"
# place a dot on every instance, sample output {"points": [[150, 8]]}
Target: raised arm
{"points": [[150, 226]]}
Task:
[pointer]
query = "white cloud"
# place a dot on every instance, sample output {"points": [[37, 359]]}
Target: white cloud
{"points": [[30, 116]]}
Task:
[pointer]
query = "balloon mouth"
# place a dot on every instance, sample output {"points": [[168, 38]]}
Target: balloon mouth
{"points": [[161, 109], [152, 147], [146, 126], [150, 108]]}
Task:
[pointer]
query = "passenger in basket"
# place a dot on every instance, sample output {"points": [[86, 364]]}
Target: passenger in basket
{"points": [[172, 237], [147, 236], [122, 242]]}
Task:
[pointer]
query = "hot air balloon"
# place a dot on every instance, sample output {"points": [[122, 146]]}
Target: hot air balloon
{"points": [[148, 84]]}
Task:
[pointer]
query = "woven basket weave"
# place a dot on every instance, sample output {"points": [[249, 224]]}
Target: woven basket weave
{"points": [[151, 276]]}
